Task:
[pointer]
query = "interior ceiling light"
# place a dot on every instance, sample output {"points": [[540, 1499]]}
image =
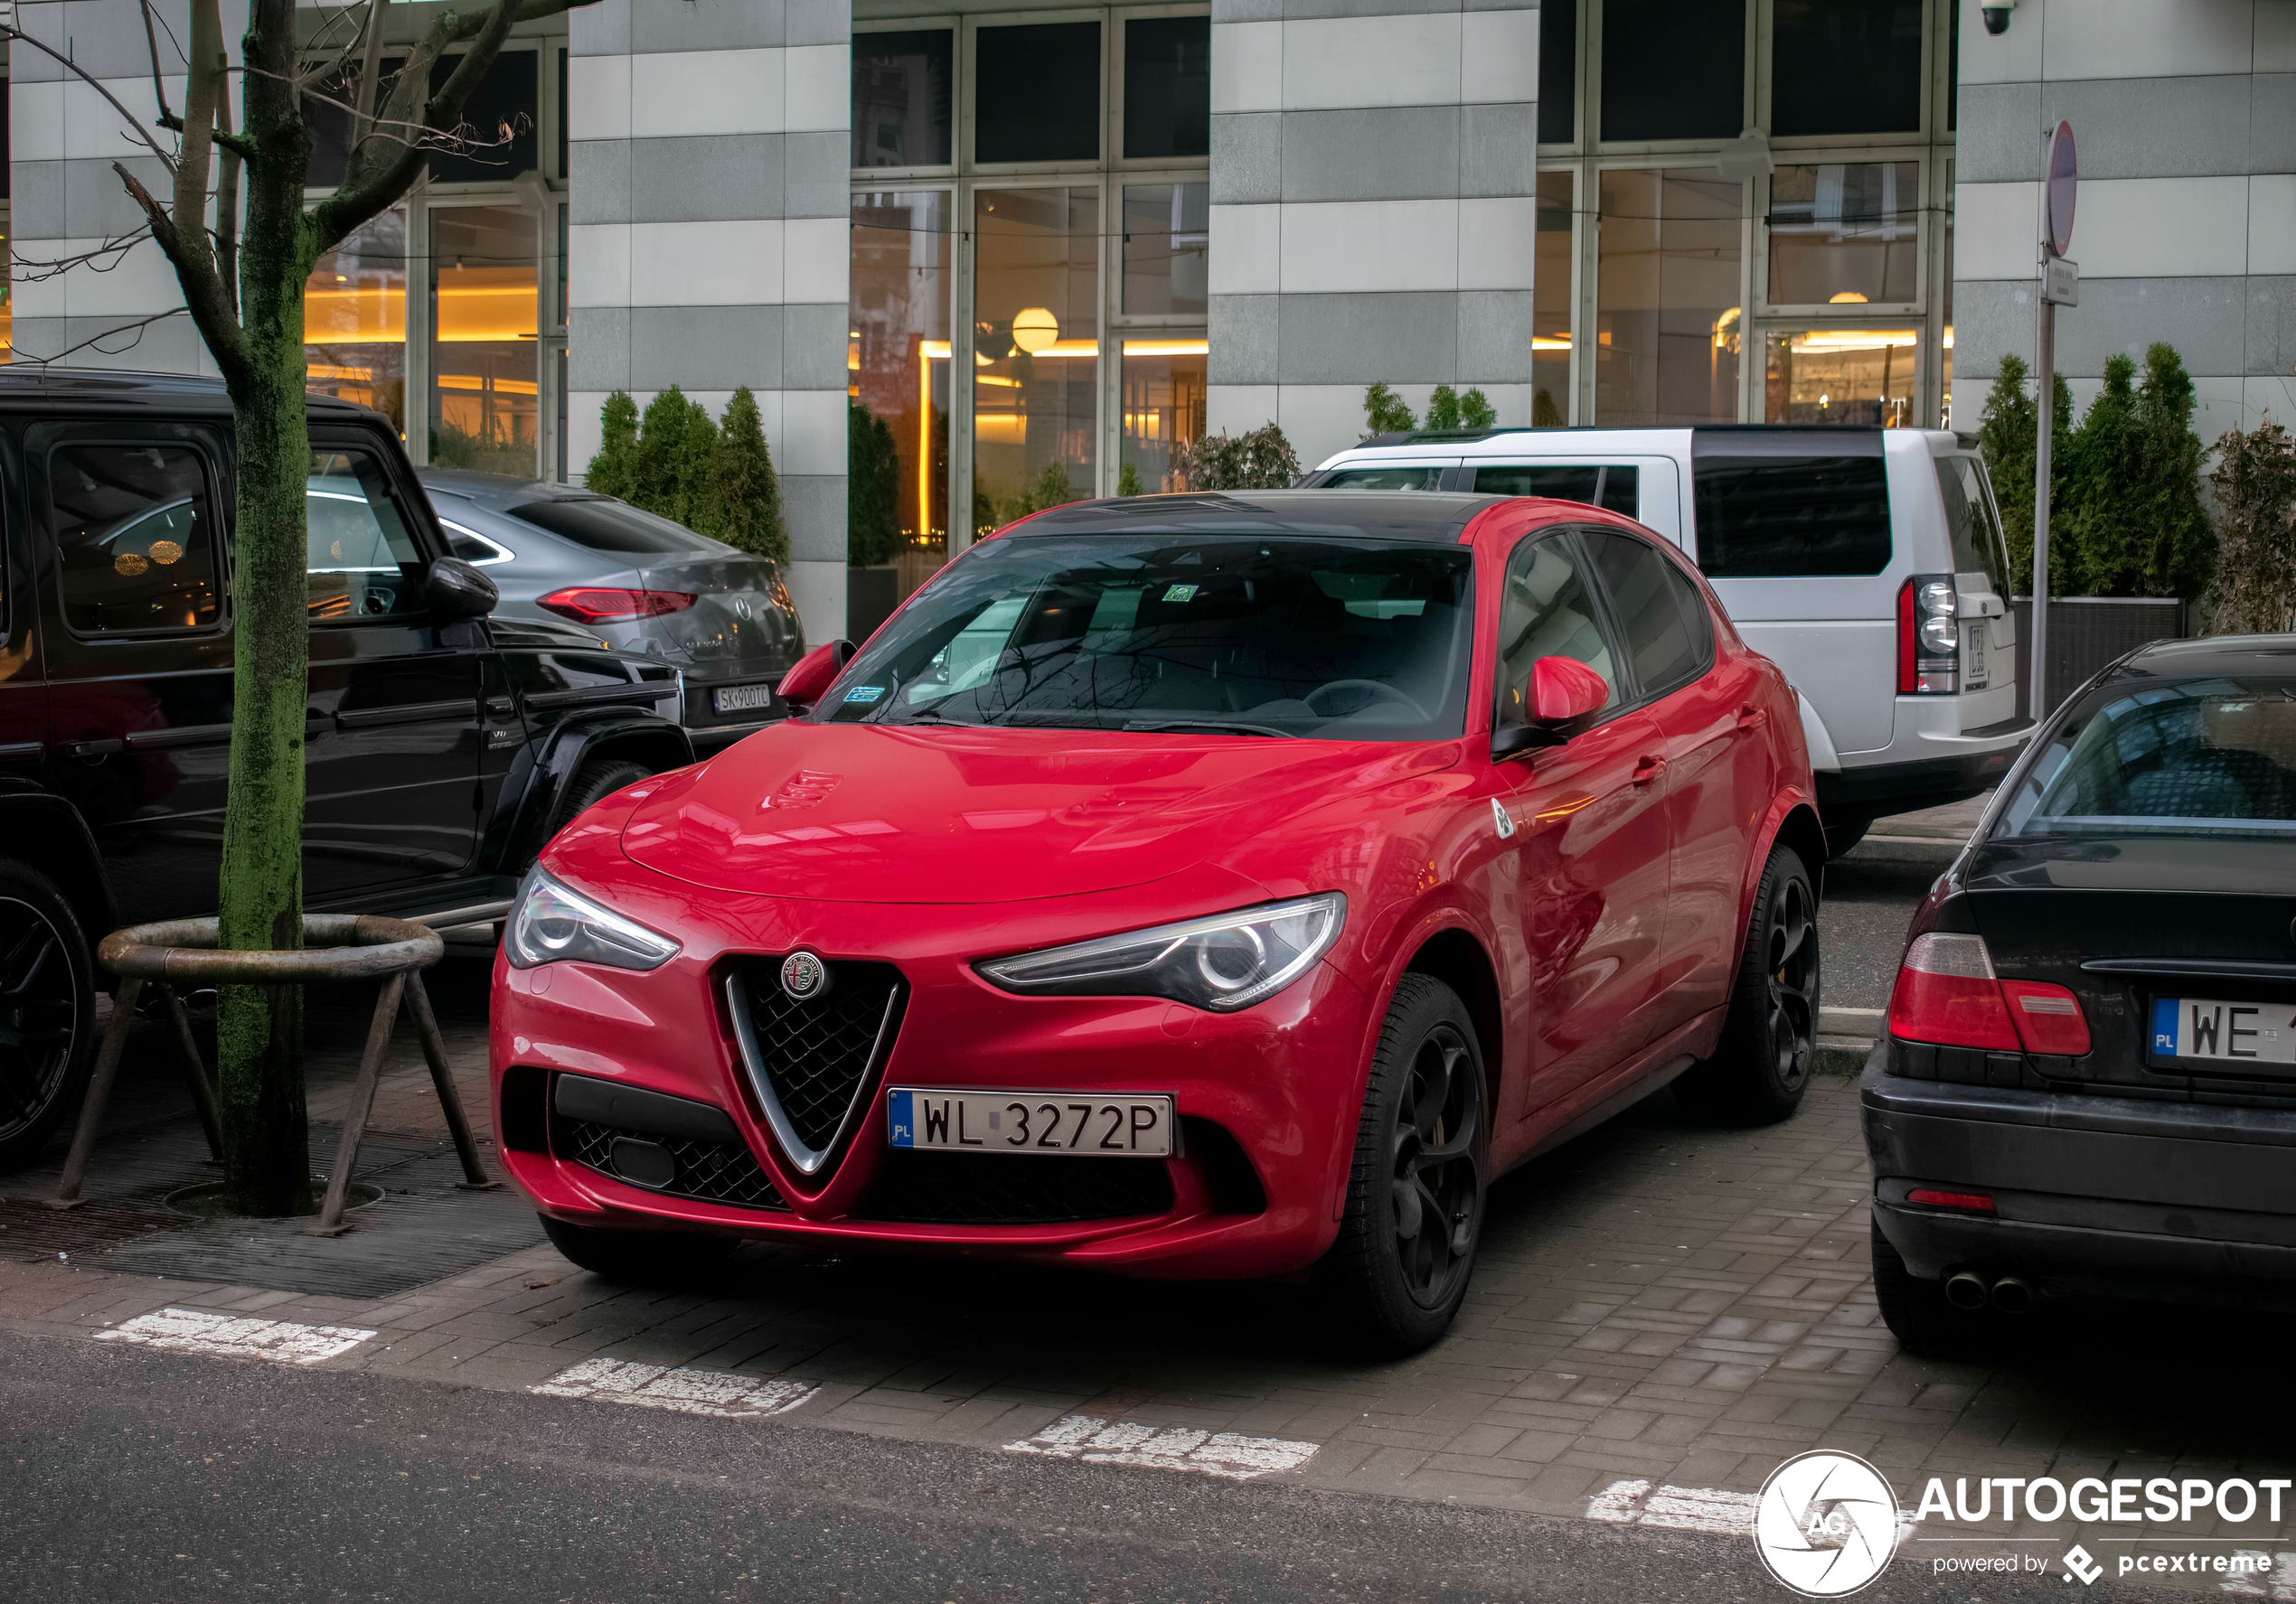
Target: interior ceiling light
{"points": [[1034, 328], [1847, 298]]}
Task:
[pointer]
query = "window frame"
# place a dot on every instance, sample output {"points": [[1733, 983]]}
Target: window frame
{"points": [[326, 438], [1606, 625], [68, 437]]}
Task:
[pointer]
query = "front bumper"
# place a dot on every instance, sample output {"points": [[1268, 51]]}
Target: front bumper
{"points": [[1266, 1097], [2104, 1196]]}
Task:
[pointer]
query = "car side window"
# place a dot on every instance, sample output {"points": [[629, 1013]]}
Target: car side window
{"points": [[136, 542], [1383, 479], [1547, 609], [361, 560], [1662, 622], [1615, 485]]}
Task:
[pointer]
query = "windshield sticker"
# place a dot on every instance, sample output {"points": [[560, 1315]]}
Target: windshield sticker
{"points": [[864, 693], [1180, 593]]}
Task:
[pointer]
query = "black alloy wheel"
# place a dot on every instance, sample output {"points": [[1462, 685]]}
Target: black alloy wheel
{"points": [[1398, 1270], [1438, 1192], [1769, 1044], [47, 1013]]}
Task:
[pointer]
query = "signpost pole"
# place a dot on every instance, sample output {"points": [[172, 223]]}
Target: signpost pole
{"points": [[2060, 282]]}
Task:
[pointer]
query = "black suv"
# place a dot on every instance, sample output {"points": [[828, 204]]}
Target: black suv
{"points": [[443, 747]]}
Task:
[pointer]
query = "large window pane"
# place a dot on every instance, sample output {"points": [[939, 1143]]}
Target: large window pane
{"points": [[501, 140], [1166, 232], [327, 113], [1550, 304], [1845, 232], [1673, 69], [354, 319], [484, 392], [1845, 66], [1037, 343], [1168, 86], [903, 90], [1851, 376], [1164, 387], [1668, 322], [1037, 93], [901, 362], [1558, 72]]}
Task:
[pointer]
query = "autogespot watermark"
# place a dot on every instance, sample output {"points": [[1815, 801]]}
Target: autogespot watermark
{"points": [[1828, 1524]]}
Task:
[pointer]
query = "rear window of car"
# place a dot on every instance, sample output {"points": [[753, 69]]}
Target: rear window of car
{"points": [[1616, 486], [1763, 517], [2212, 757], [1383, 479], [600, 523], [1977, 546]]}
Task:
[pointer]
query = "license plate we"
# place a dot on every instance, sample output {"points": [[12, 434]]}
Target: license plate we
{"points": [[1085, 1123], [2200, 1028], [741, 699]]}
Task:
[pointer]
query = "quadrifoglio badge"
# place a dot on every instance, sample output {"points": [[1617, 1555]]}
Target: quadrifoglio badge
{"points": [[1826, 1523]]}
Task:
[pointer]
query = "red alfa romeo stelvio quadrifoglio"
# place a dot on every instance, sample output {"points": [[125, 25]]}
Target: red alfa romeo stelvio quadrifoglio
{"points": [[1225, 885]]}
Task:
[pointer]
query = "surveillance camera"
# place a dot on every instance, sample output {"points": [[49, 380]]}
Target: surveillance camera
{"points": [[1996, 16]]}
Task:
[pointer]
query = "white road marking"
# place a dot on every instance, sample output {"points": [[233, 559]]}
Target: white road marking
{"points": [[1167, 1447], [2275, 1578], [1680, 1509], [690, 1391], [233, 1337]]}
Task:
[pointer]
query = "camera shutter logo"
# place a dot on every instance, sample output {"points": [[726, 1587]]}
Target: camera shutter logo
{"points": [[1825, 1524], [803, 976]]}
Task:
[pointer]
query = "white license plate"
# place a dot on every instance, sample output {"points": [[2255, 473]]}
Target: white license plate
{"points": [[741, 699], [1100, 1124], [2262, 1033], [1976, 657]]}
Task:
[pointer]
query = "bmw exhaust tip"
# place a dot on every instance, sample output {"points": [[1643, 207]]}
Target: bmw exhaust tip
{"points": [[1966, 1289], [2012, 1296]]}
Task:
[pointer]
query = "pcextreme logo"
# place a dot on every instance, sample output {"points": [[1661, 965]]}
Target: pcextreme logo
{"points": [[1825, 1524]]}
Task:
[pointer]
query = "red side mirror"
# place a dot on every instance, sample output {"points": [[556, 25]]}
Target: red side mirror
{"points": [[1562, 688], [813, 674]]}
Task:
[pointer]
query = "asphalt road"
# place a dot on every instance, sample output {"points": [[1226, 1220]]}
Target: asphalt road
{"points": [[133, 1474], [1869, 895]]}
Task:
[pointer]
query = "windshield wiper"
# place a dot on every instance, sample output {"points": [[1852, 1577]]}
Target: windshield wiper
{"points": [[1153, 726]]}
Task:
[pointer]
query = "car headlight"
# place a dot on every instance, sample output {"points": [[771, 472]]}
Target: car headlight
{"points": [[1226, 962], [553, 925]]}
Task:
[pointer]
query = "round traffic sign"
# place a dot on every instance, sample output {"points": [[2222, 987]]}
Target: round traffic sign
{"points": [[2064, 172]]}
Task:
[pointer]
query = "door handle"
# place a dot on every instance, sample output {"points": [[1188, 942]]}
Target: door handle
{"points": [[1752, 718], [1648, 769]]}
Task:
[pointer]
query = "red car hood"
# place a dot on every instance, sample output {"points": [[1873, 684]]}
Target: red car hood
{"points": [[867, 813]]}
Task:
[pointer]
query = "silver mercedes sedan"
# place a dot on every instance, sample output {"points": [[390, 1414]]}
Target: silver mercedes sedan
{"points": [[641, 582]]}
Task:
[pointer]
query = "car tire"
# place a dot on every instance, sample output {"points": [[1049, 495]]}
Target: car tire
{"points": [[1422, 1146], [1918, 1313], [642, 1258], [47, 1013], [597, 778], [1761, 1067]]}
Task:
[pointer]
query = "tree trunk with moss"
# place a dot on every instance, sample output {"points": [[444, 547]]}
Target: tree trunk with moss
{"points": [[244, 291]]}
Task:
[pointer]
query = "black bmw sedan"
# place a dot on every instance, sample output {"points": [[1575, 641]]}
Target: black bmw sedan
{"points": [[2088, 1086]]}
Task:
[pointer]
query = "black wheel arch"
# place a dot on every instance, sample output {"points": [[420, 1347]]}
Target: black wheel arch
{"points": [[46, 833], [541, 775], [1456, 958]]}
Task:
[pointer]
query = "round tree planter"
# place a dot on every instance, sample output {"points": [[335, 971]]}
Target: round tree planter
{"points": [[392, 951]]}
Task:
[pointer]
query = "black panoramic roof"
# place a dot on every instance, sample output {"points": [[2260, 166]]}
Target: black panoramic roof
{"points": [[1376, 515], [25, 386], [2210, 655]]}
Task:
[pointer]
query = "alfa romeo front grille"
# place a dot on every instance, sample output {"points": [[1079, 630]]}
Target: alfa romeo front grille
{"points": [[707, 1171], [813, 1061]]}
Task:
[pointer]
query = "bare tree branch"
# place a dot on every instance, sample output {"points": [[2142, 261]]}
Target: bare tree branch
{"points": [[136, 327], [217, 319], [18, 37], [40, 269], [203, 66], [167, 119]]}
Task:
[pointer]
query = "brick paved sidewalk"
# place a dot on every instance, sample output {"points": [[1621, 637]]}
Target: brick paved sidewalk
{"points": [[1659, 1302]]}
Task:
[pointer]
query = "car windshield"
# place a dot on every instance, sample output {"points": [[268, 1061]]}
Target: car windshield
{"points": [[2211, 758], [1341, 639]]}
